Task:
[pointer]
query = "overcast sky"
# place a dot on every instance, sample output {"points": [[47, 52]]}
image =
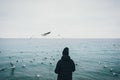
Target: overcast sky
{"points": [[64, 18]]}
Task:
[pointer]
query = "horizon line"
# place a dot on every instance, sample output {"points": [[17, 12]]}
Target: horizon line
{"points": [[55, 38]]}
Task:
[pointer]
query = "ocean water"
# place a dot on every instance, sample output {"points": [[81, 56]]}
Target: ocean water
{"points": [[35, 59]]}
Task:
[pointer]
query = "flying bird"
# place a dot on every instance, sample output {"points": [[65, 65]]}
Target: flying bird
{"points": [[45, 34]]}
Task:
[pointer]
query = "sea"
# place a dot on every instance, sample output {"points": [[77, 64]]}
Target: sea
{"points": [[36, 59]]}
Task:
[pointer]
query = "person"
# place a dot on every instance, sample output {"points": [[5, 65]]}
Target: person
{"points": [[65, 66]]}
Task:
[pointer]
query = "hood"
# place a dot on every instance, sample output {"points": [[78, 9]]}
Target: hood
{"points": [[65, 58], [65, 51]]}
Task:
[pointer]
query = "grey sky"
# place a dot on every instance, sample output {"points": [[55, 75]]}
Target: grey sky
{"points": [[67, 18]]}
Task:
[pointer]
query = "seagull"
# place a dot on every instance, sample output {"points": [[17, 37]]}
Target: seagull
{"points": [[12, 66], [9, 57], [16, 60], [53, 59], [115, 74], [42, 63], [3, 69], [105, 66], [45, 58], [76, 64], [45, 34], [21, 51], [31, 61], [37, 75], [23, 66], [111, 69], [50, 63]]}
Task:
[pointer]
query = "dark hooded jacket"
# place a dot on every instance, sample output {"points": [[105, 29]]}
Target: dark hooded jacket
{"points": [[64, 68]]}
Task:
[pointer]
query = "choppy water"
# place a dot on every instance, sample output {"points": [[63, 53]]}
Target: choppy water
{"points": [[41, 55]]}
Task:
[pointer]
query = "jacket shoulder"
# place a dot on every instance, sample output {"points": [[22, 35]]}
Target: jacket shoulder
{"points": [[59, 61], [71, 60]]}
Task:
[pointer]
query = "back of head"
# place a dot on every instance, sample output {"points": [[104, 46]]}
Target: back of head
{"points": [[65, 51]]}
